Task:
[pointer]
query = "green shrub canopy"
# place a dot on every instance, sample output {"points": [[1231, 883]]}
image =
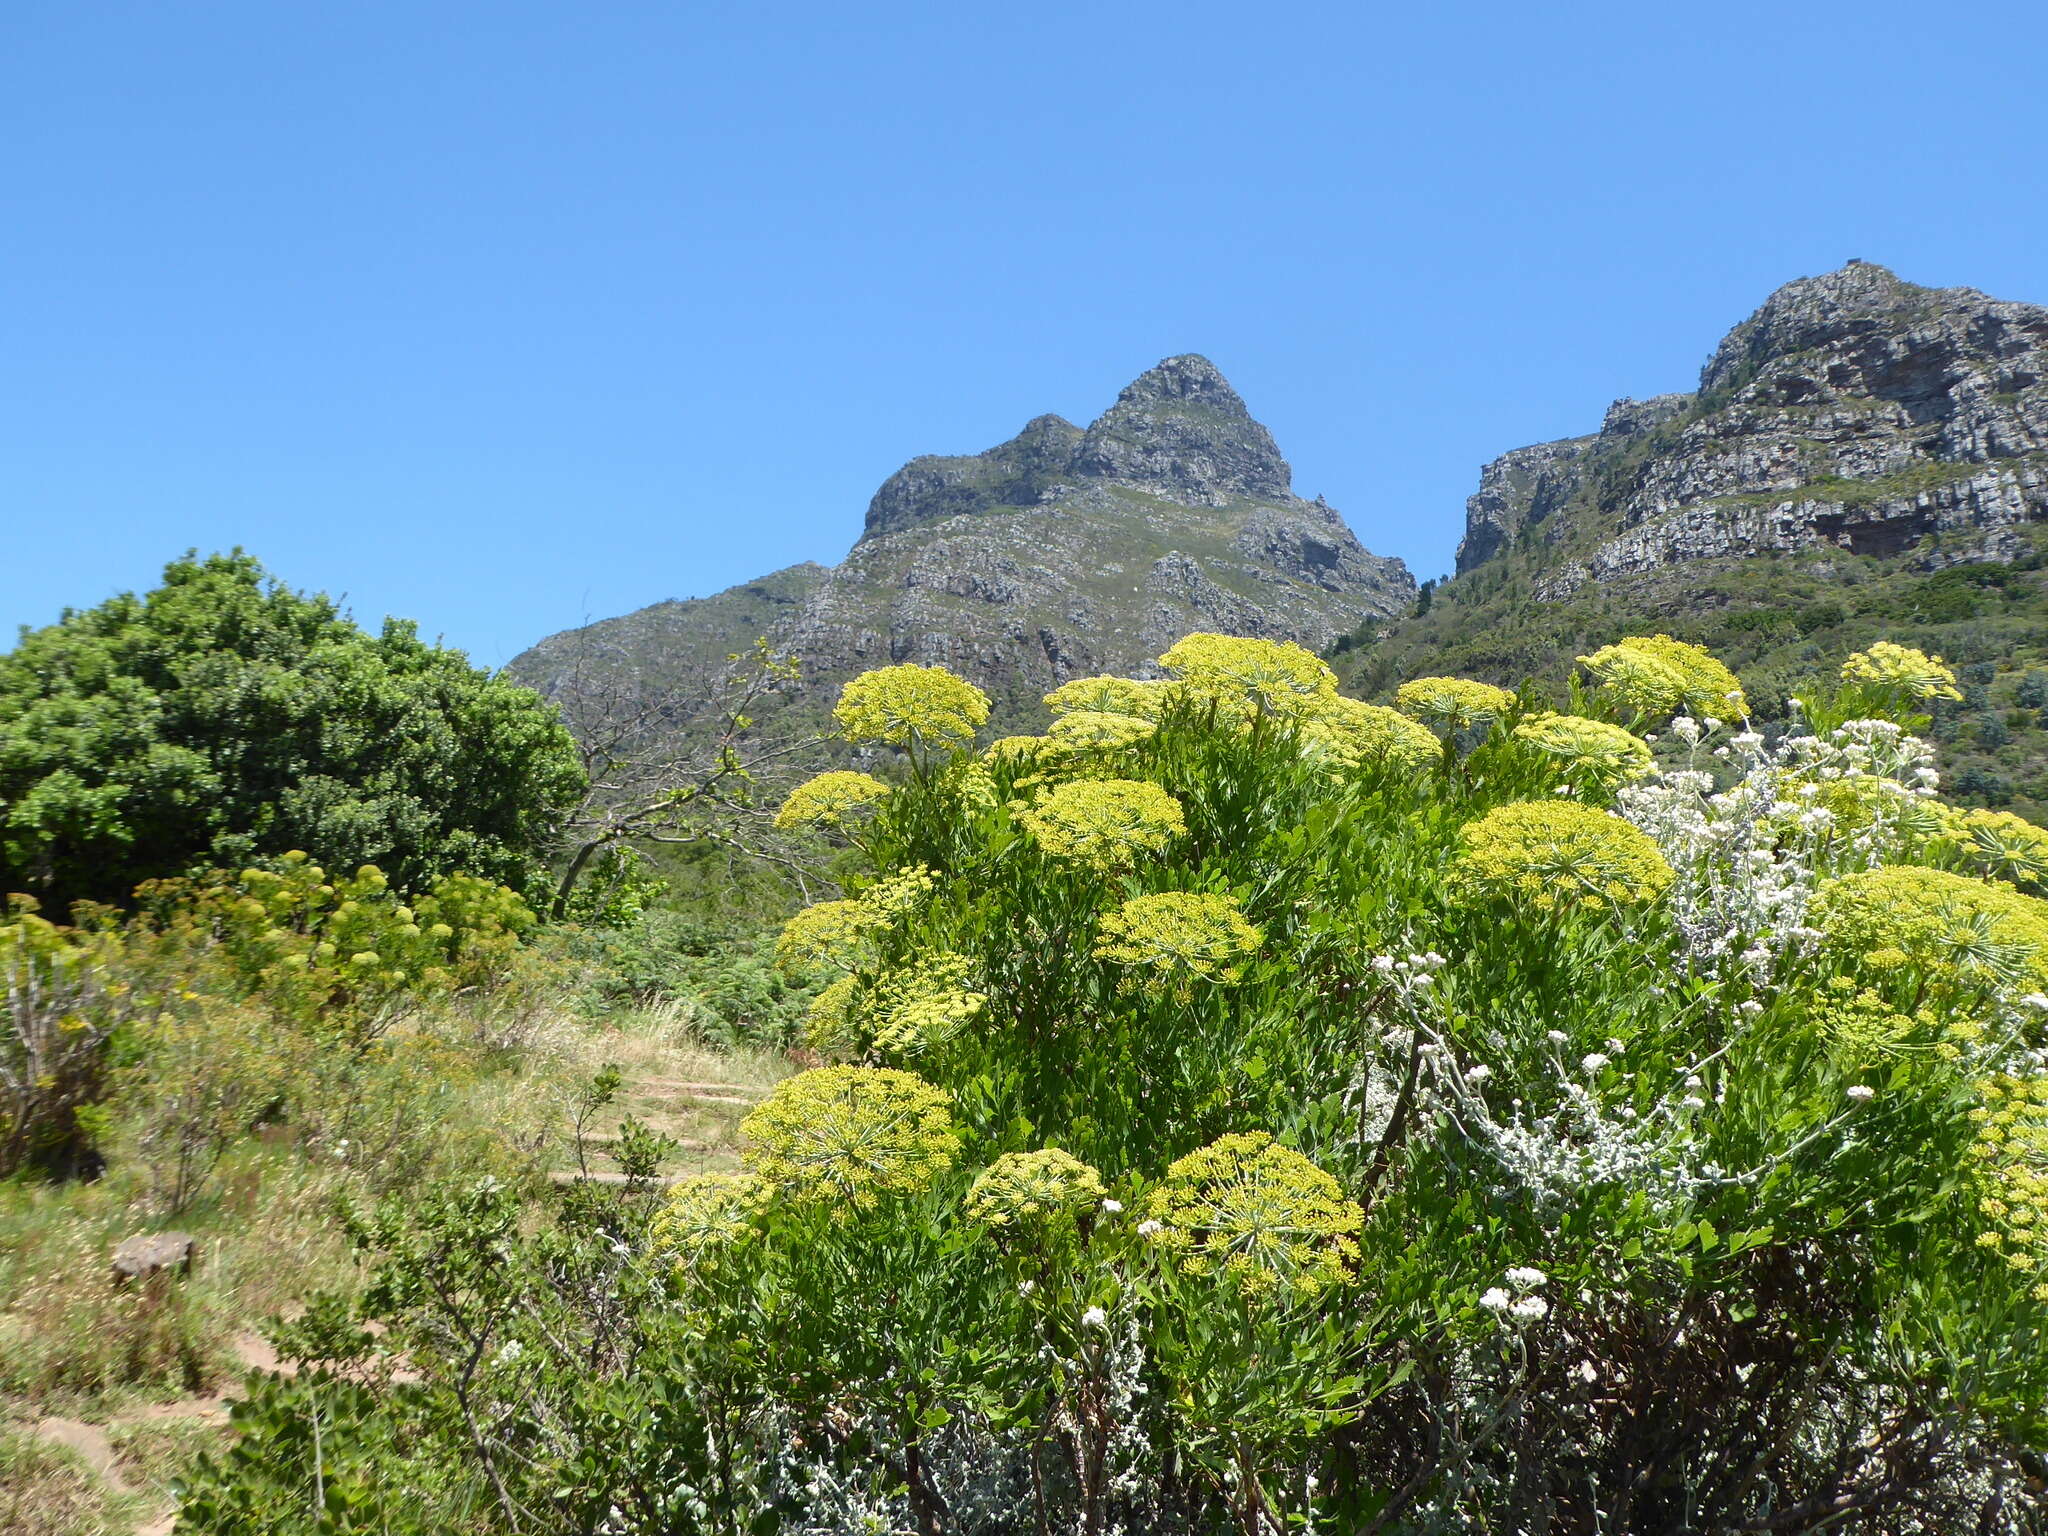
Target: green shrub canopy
{"points": [[223, 716]]}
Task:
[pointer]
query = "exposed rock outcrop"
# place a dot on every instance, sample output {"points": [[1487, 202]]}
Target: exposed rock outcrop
{"points": [[1852, 411]]}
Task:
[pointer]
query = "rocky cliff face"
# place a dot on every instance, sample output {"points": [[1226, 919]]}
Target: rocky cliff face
{"points": [[1852, 412], [1059, 553]]}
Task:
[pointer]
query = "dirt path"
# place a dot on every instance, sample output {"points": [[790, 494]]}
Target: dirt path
{"points": [[700, 1112]]}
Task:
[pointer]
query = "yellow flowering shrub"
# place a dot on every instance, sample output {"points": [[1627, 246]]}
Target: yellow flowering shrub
{"points": [[1863, 1029], [1892, 666], [1590, 754], [1179, 936], [1112, 696], [829, 799], [1106, 824], [1253, 677], [1555, 854], [1950, 927], [1256, 1214], [851, 1135], [922, 1004], [1452, 703], [705, 1217], [840, 935], [909, 705], [1034, 1189], [1655, 675], [1089, 730], [1020, 749], [828, 1021], [2011, 1152], [2005, 846], [827, 933], [1354, 734]]}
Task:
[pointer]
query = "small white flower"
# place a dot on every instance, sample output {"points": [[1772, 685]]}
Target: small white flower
{"points": [[1712, 724], [1113, 1207], [510, 1354], [1861, 1093], [1150, 1228], [1593, 1061], [1529, 1308], [1478, 1072], [1383, 963], [1586, 1372], [1095, 1317], [1692, 1101], [1693, 1081], [1527, 1279], [1026, 1287], [1496, 1300], [1557, 1037], [2036, 1000]]}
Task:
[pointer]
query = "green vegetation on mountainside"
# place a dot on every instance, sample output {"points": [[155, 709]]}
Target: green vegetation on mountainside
{"points": [[1779, 620]]}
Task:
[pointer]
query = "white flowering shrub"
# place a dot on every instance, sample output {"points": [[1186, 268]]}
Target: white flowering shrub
{"points": [[1421, 1140]]}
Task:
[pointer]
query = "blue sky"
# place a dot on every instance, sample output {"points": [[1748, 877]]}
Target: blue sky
{"points": [[502, 315]]}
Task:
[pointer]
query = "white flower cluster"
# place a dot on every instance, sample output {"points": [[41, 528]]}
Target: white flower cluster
{"points": [[1517, 1301], [1743, 883], [1580, 1141]]}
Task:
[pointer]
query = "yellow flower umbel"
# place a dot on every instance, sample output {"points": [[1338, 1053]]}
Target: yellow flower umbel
{"points": [[1554, 854], [828, 1021], [1039, 1189], [840, 935], [1107, 824], [705, 1218], [1655, 675], [827, 933], [1091, 730], [1452, 703], [923, 1004], [1913, 673], [2012, 1157], [2005, 846], [852, 1136], [1951, 928], [1256, 1214], [1179, 936], [828, 799], [1111, 696], [1864, 1030], [1590, 754], [1354, 734], [909, 705], [1251, 677]]}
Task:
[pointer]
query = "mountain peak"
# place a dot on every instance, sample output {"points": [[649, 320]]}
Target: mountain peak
{"points": [[1180, 431], [1857, 297], [1189, 376]]}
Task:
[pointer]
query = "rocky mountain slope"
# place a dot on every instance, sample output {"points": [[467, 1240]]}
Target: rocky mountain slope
{"points": [[1863, 456], [1060, 553]]}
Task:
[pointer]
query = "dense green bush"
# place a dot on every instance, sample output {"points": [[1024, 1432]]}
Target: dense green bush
{"points": [[223, 716], [1253, 1112]]}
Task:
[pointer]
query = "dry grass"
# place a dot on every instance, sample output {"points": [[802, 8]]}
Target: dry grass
{"points": [[145, 1361], [48, 1491]]}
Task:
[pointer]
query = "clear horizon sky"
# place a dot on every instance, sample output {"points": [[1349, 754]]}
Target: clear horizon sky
{"points": [[503, 316]]}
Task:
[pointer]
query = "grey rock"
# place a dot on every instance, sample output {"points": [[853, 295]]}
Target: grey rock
{"points": [[152, 1253]]}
